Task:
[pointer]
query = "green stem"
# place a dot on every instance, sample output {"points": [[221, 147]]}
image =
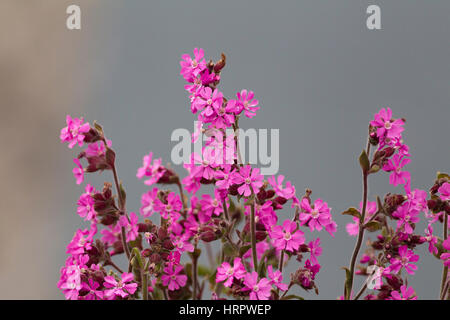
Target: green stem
{"points": [[347, 292], [253, 235]]}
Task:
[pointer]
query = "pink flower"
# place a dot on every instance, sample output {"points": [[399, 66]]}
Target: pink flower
{"points": [[406, 216], [172, 279], [250, 180], [308, 274], [85, 203], [78, 171], [97, 149], [395, 165], [131, 226], [171, 208], [111, 234], [81, 242], [277, 185], [286, 237], [315, 250], [386, 126], [122, 288], [276, 278], [353, 228], [404, 294], [446, 256], [444, 190], [207, 101], [190, 68], [259, 290], [91, 288], [224, 177], [148, 201], [403, 261], [155, 171], [212, 205], [246, 102], [227, 273], [70, 281], [431, 239], [73, 133], [180, 239], [315, 217]]}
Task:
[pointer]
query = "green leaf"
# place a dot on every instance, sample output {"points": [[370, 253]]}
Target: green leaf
{"points": [[137, 255], [373, 226], [347, 282], [352, 212], [441, 175], [364, 161]]}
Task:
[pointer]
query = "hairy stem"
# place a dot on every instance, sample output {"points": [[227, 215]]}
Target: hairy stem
{"points": [[122, 209], [144, 285], [347, 292], [194, 274], [253, 235]]}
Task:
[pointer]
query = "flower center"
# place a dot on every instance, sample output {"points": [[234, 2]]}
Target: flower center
{"points": [[287, 236], [387, 125], [209, 101], [230, 271], [168, 207], [215, 203], [256, 288], [248, 181], [194, 63], [315, 213]]}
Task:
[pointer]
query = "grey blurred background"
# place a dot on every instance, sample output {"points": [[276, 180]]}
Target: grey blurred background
{"points": [[317, 71]]}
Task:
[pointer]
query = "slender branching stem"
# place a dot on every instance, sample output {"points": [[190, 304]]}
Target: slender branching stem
{"points": [[445, 269]]}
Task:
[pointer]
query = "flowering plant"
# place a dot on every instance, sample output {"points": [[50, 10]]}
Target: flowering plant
{"points": [[242, 213]]}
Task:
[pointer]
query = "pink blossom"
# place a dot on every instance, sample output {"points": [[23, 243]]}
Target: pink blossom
{"points": [[395, 165], [224, 177], [386, 126], [259, 290], [78, 171], [404, 294], [446, 256], [431, 239], [130, 225], [315, 217], [172, 277], [91, 287], [308, 274], [97, 149], [212, 205], [85, 207], [315, 250], [286, 237], [180, 239], [155, 171], [276, 278], [250, 180], [190, 68], [111, 234], [403, 261], [246, 102], [353, 228], [277, 185], [171, 208], [209, 102], [227, 273], [406, 216], [148, 201], [119, 288], [74, 132], [81, 242], [444, 190]]}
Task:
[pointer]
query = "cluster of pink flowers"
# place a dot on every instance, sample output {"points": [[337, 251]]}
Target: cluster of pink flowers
{"points": [[238, 209], [393, 250]]}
